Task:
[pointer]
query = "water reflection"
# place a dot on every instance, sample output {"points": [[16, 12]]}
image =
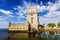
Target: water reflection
{"points": [[31, 36], [22, 36], [4, 35], [18, 36]]}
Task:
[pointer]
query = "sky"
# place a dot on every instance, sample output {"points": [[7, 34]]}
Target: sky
{"points": [[15, 11]]}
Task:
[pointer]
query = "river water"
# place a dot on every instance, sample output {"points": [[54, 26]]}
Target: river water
{"points": [[5, 35]]}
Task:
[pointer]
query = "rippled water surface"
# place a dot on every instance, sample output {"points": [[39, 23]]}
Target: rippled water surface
{"points": [[5, 35]]}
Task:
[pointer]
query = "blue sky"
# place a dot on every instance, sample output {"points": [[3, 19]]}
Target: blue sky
{"points": [[15, 11]]}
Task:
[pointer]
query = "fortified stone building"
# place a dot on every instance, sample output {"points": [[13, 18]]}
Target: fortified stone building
{"points": [[31, 21]]}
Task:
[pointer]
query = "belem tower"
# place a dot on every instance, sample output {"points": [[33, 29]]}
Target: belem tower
{"points": [[31, 21]]}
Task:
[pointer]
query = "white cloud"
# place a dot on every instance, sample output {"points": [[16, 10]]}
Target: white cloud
{"points": [[27, 4], [50, 3], [53, 10], [11, 16], [41, 8], [21, 11], [5, 12], [45, 21], [53, 15]]}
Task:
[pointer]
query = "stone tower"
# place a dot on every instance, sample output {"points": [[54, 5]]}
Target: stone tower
{"points": [[32, 17]]}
